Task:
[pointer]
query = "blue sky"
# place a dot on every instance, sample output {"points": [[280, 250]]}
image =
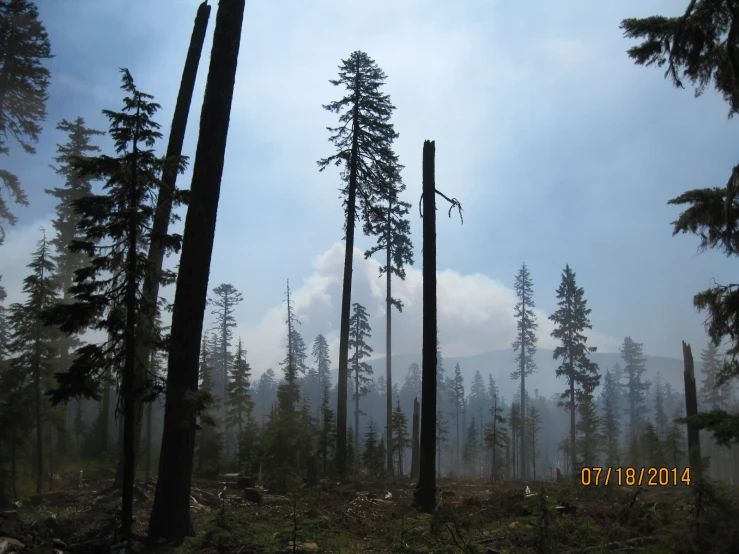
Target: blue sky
{"points": [[560, 149]]}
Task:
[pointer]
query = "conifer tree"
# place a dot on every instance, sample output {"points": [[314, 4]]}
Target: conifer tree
{"points": [[115, 230], [514, 419], [471, 448], [442, 430], [225, 300], [534, 428], [359, 332], [495, 438], [373, 454], [239, 405], [351, 459], [675, 440], [456, 396], [634, 360], [412, 385], [392, 228], [651, 448], [492, 387], [712, 392], [571, 320], [327, 439], [589, 442], [35, 346], [209, 440], [16, 418], [525, 341], [477, 398], [24, 47], [660, 416], [610, 420], [363, 142], [402, 440], [699, 47], [323, 364]]}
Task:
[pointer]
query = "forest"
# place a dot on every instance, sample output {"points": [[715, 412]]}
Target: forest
{"points": [[134, 418]]}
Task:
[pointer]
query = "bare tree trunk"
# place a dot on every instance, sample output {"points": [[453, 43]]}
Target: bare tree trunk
{"points": [[170, 516], [388, 343], [691, 408], [416, 437], [425, 493]]}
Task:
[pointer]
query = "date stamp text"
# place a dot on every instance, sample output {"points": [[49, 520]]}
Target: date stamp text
{"points": [[630, 476]]}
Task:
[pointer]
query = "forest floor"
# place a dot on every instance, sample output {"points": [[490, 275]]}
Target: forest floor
{"points": [[481, 518]]}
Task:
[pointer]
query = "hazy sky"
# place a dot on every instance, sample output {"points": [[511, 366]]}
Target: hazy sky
{"points": [[560, 149]]}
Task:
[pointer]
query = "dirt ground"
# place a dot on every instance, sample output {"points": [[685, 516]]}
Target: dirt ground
{"points": [[481, 518]]}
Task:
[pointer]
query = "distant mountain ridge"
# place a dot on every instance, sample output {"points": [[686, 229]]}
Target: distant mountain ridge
{"points": [[501, 363]]}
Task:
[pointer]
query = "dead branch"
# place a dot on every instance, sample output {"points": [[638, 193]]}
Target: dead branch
{"points": [[453, 201]]}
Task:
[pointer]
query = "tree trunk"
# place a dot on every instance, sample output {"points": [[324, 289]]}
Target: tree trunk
{"points": [[170, 516], [388, 339], [425, 493], [691, 408], [573, 443], [416, 437], [523, 390], [346, 293], [149, 407], [163, 212]]}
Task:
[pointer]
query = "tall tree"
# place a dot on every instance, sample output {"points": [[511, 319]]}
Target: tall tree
{"points": [[363, 142], [456, 395], [700, 47], [525, 343], [239, 405], [359, 332], [65, 224], [402, 440], [635, 366], [34, 345], [170, 515], [115, 228], [393, 232], [323, 363], [571, 320], [225, 300], [24, 46], [610, 419]]}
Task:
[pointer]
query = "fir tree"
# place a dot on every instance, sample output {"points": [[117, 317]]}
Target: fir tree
{"points": [[534, 428], [471, 448], [360, 331], [363, 142], [610, 420], [225, 301], [634, 360], [392, 228], [514, 419], [525, 341], [477, 398], [323, 364], [699, 47], [412, 384], [24, 46], [115, 230], [373, 455], [35, 347], [495, 438], [266, 391], [651, 447], [327, 439], [402, 440], [442, 430], [571, 320], [455, 386], [713, 393], [492, 387], [589, 441], [239, 405]]}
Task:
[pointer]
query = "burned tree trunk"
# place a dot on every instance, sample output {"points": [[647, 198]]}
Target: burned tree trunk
{"points": [[425, 494], [415, 443], [691, 409], [170, 516]]}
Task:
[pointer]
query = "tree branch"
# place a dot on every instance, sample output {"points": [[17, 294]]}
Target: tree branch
{"points": [[453, 201]]}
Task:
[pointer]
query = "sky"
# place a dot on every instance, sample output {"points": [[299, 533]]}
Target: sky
{"points": [[560, 149]]}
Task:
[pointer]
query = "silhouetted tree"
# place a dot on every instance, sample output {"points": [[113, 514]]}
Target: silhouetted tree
{"points": [[571, 320], [24, 46], [226, 299], [634, 360], [525, 341], [611, 420], [363, 142], [402, 440], [239, 405], [170, 515], [495, 437], [713, 393], [456, 396], [359, 332]]}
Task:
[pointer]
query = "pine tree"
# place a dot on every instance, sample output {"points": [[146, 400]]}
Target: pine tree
{"points": [[455, 386], [106, 293], [492, 387], [631, 353], [24, 45], [225, 301], [442, 430], [209, 440], [323, 364], [392, 228], [534, 427], [239, 405], [359, 332], [571, 320], [713, 393], [495, 438], [525, 341], [610, 420], [363, 144], [588, 427], [35, 347], [699, 47], [402, 440]]}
